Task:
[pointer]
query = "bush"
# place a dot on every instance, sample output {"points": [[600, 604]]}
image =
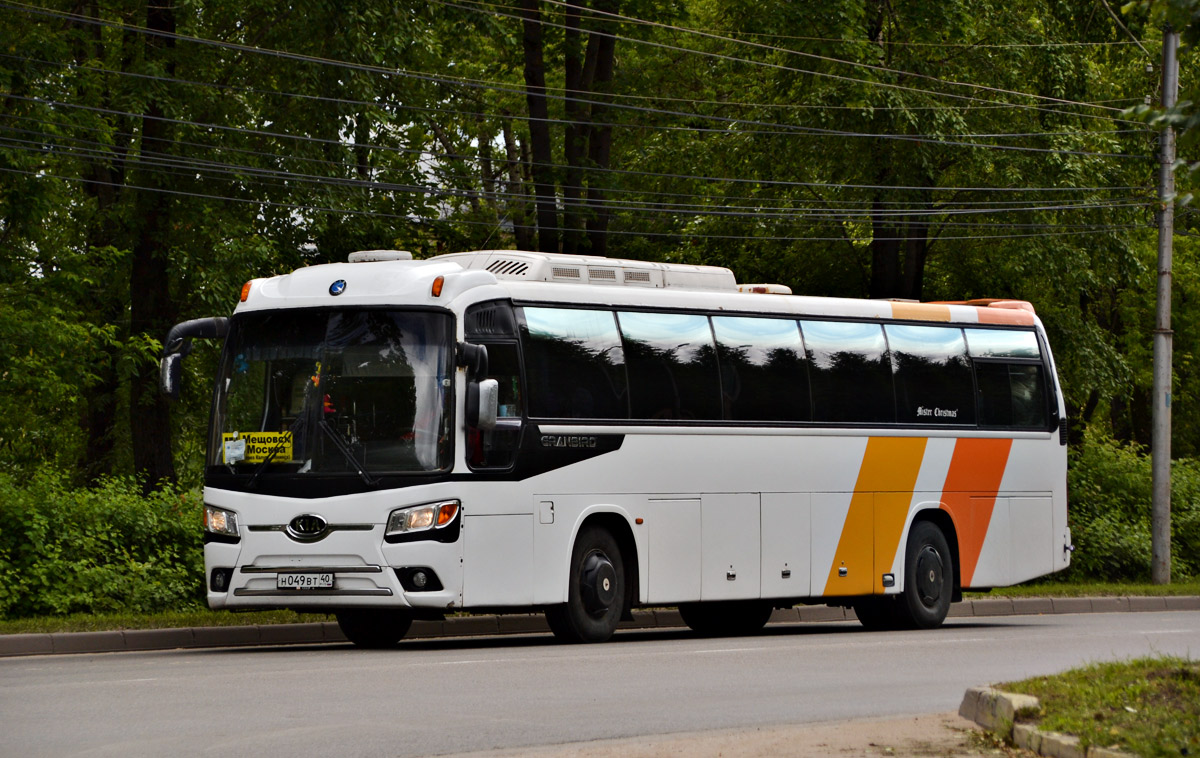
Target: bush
{"points": [[1109, 501], [99, 550]]}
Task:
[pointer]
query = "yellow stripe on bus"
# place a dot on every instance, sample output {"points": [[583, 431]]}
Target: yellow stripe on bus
{"points": [[890, 466]]}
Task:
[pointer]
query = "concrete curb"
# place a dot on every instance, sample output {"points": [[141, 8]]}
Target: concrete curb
{"points": [[473, 626], [997, 712]]}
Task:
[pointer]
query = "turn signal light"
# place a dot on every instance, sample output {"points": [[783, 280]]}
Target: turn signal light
{"points": [[436, 289], [246, 291], [447, 512]]}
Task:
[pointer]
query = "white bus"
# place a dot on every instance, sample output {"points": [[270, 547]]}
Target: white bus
{"points": [[506, 431]]}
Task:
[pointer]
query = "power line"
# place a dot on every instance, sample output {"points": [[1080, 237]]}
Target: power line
{"points": [[776, 129], [757, 203], [469, 83], [893, 43], [823, 74], [595, 169], [556, 120], [171, 165], [640, 233]]}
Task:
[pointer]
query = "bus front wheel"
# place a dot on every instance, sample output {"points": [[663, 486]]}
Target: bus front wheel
{"points": [[376, 629], [595, 592], [928, 578]]}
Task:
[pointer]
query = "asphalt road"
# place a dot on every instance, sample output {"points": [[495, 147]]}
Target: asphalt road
{"points": [[449, 696]]}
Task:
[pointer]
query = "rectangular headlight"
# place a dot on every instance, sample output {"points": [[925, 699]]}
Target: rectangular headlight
{"points": [[220, 521], [422, 517]]}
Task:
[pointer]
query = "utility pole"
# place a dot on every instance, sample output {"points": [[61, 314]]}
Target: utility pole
{"points": [[1160, 453]]}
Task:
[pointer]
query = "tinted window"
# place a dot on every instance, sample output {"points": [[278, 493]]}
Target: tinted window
{"points": [[672, 366], [1000, 343], [851, 378], [933, 375], [1011, 394], [497, 448], [763, 375], [575, 366]]}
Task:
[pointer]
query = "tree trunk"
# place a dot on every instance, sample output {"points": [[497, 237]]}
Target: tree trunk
{"points": [[574, 143], [885, 253], [517, 206], [151, 311], [600, 137], [539, 128]]}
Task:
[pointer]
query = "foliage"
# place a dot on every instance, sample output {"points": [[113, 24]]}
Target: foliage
{"points": [[1109, 496], [1147, 706], [97, 550], [941, 150]]}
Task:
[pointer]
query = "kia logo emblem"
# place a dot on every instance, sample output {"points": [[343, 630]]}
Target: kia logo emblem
{"points": [[337, 287], [307, 527]]}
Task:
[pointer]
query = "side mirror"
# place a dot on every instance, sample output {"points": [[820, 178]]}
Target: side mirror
{"points": [[474, 358], [168, 374], [483, 403], [179, 343]]}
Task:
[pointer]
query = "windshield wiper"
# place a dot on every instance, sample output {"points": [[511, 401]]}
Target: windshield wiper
{"points": [[345, 450], [270, 457]]}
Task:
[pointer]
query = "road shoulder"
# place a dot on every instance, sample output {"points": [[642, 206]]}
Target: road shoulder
{"points": [[947, 735]]}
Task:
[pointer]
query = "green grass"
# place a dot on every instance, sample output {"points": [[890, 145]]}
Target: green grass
{"points": [[1149, 707], [86, 622], [1091, 589]]}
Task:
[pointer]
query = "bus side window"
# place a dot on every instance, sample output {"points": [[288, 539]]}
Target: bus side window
{"points": [[497, 448], [1010, 379], [1011, 395], [850, 375], [933, 375], [672, 366], [574, 364], [764, 376]]}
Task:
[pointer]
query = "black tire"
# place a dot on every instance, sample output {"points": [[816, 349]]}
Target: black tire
{"points": [[928, 578], [376, 629], [728, 618], [877, 613], [596, 590]]}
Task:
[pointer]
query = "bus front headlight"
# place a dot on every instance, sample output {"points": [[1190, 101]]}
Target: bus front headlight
{"points": [[420, 518], [220, 521]]}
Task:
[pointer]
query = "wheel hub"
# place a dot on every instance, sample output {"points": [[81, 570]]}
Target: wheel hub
{"points": [[929, 575], [598, 583]]}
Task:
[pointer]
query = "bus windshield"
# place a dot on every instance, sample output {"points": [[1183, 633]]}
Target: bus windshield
{"points": [[360, 392]]}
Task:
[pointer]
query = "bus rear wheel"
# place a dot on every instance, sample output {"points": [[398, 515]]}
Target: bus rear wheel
{"points": [[595, 592], [928, 578], [376, 629], [729, 618]]}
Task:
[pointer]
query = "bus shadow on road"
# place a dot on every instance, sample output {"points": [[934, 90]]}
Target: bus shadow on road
{"points": [[622, 637]]}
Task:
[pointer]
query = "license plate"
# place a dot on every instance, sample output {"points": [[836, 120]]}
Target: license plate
{"points": [[304, 582]]}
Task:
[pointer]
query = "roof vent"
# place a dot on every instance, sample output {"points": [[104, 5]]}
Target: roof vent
{"points": [[602, 275], [508, 267], [372, 256], [563, 272]]}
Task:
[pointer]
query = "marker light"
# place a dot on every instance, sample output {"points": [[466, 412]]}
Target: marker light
{"points": [[436, 289], [246, 290], [422, 517]]}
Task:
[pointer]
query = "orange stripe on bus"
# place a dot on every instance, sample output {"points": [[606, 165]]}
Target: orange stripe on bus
{"points": [[1005, 316], [890, 465], [920, 311], [976, 469]]}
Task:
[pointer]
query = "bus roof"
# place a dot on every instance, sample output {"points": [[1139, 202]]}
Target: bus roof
{"points": [[390, 277]]}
